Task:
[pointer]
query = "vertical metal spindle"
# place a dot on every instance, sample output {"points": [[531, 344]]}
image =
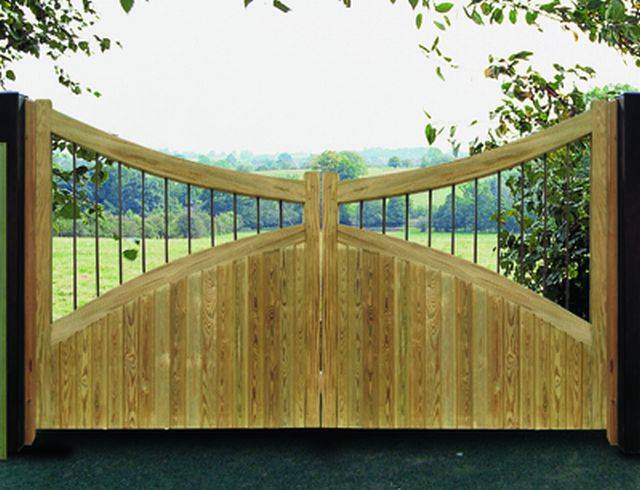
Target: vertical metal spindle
{"points": [[453, 219], [280, 213], [189, 218], [545, 236], [475, 221], [235, 216], [521, 250], [120, 265], [258, 215], [384, 215], [567, 186], [429, 219], [361, 211], [142, 213], [499, 221], [406, 217], [96, 210], [75, 227], [212, 220], [166, 220]]}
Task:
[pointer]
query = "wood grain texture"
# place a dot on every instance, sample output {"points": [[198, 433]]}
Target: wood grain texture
{"points": [[174, 168], [428, 348], [467, 169]]}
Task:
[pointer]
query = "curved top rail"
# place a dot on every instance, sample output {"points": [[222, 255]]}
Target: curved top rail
{"points": [[561, 319], [466, 169], [174, 168]]}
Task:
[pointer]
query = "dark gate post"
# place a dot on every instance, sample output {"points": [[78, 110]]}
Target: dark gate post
{"points": [[12, 121], [629, 273]]}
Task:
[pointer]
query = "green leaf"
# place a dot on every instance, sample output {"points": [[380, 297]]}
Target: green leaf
{"points": [[439, 25], [281, 6], [443, 8], [513, 16], [430, 133], [127, 5], [414, 4], [130, 254], [531, 17], [616, 11], [10, 75], [439, 73], [419, 21]]}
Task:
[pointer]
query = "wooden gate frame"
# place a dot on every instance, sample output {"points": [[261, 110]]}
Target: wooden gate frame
{"points": [[602, 121]]}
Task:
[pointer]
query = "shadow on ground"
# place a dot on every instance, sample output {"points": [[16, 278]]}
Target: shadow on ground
{"points": [[312, 459]]}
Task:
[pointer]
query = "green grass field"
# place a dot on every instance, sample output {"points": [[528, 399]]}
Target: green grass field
{"points": [[108, 255]]}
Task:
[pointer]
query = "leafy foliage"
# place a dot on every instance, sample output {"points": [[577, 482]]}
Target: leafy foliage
{"points": [[347, 164]]}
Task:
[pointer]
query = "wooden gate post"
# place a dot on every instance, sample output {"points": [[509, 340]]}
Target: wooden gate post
{"points": [[629, 273], [12, 129]]}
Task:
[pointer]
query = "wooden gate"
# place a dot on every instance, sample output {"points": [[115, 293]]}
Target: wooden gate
{"points": [[308, 327]]}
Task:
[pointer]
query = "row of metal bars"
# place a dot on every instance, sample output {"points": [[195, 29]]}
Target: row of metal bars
{"points": [[499, 210], [96, 206]]}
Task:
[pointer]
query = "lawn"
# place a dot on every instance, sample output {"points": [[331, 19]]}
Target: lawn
{"points": [[108, 255]]}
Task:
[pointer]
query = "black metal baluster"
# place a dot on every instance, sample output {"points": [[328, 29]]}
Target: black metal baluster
{"points": [[235, 216], [521, 250], [361, 210], [258, 215], [406, 217], [429, 220], [475, 221], [75, 227], [120, 265], [212, 217], [384, 215], [96, 210], [280, 213], [545, 237], [142, 212], [189, 219], [453, 220], [567, 186], [499, 221], [166, 220]]}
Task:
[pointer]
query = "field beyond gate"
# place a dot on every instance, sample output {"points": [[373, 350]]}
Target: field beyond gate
{"points": [[316, 326]]}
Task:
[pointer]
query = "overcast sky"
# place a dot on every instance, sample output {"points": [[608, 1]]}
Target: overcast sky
{"points": [[206, 75]]}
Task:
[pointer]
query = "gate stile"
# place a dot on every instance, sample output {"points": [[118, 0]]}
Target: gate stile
{"points": [[320, 324]]}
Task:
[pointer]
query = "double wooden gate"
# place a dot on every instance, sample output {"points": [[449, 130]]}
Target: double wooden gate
{"points": [[319, 326]]}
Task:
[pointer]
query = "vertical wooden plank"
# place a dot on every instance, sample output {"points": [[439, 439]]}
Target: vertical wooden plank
{"points": [[82, 363], [300, 342], [418, 345], [312, 294], [68, 391], [448, 349], [256, 333], [464, 354], [146, 355], [240, 328], [273, 408], [342, 350], [131, 363], [543, 374], [330, 297], [100, 374], [603, 235], [287, 323], [41, 359], [162, 338], [387, 348], [209, 318], [224, 342], [480, 361], [356, 330], [370, 295], [115, 354], [511, 365], [574, 383], [178, 332], [559, 380], [193, 379], [527, 370], [495, 361], [433, 354]]}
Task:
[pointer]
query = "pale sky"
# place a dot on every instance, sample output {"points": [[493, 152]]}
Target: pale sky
{"points": [[203, 75]]}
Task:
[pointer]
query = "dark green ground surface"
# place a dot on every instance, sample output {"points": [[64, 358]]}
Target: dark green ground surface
{"points": [[331, 459]]}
